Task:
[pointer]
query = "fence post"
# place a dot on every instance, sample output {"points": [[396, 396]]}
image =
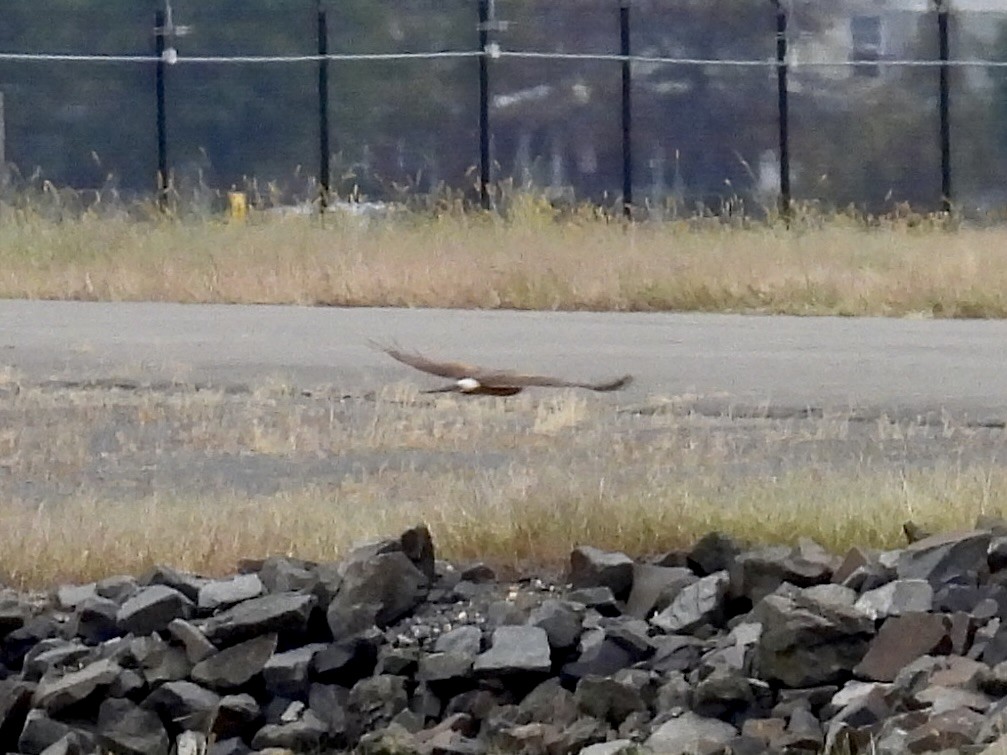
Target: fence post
{"points": [[160, 31], [323, 109], [484, 104], [783, 109], [627, 111], [3, 144], [944, 53]]}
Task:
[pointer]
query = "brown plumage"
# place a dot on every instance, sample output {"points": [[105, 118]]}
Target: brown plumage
{"points": [[472, 380]]}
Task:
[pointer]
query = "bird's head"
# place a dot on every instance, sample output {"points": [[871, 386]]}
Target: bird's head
{"points": [[467, 385]]}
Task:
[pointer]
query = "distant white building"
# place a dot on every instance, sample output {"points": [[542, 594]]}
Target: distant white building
{"points": [[880, 30]]}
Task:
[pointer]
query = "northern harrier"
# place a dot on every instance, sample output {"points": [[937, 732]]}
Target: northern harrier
{"points": [[478, 381]]}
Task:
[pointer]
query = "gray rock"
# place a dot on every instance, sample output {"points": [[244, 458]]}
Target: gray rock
{"points": [[615, 747], [374, 701], [601, 599], [722, 694], [68, 597], [190, 743], [607, 699], [165, 663], [330, 579], [591, 567], [685, 734], [952, 730], [285, 614], [853, 692], [516, 649], [805, 643], [903, 639], [696, 605], [306, 734], [714, 552], [561, 620], [13, 615], [477, 573], [223, 593], [896, 598], [945, 557], [328, 702], [442, 667], [650, 586], [184, 704], [41, 732], [95, 620], [393, 739], [464, 639], [235, 716], [126, 728], [118, 588], [280, 574], [676, 653], [235, 666], [501, 613], [70, 744], [15, 702], [832, 593], [348, 661], [376, 591], [52, 655], [601, 659], [804, 732], [418, 546], [755, 574], [197, 647], [633, 635], [863, 711], [548, 703], [152, 609], [55, 693], [287, 674], [940, 699], [229, 746], [187, 584]]}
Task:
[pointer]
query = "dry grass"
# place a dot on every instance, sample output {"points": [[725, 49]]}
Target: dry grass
{"points": [[527, 523], [533, 260], [515, 482]]}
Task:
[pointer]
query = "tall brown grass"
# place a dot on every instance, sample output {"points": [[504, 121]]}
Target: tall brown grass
{"points": [[533, 259], [513, 482]]}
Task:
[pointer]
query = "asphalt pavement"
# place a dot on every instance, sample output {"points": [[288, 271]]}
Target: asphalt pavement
{"points": [[831, 363]]}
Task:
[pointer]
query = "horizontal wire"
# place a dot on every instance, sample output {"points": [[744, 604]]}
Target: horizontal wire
{"points": [[178, 59], [764, 63], [494, 53]]}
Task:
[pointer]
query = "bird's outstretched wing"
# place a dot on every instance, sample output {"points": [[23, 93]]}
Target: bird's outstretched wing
{"points": [[455, 370], [497, 378], [544, 381]]}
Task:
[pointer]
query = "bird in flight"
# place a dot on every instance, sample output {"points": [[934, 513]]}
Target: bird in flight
{"points": [[477, 381]]}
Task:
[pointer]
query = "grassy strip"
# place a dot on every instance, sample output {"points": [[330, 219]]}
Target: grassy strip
{"points": [[533, 260], [515, 528]]}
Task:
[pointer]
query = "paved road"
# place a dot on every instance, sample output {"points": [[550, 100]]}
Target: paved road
{"points": [[910, 365]]}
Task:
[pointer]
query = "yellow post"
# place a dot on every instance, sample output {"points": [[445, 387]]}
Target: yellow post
{"points": [[238, 205]]}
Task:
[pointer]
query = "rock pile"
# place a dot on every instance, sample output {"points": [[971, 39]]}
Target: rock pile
{"points": [[718, 649]]}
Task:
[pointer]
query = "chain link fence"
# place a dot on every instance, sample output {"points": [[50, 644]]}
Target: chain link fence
{"points": [[242, 106]]}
